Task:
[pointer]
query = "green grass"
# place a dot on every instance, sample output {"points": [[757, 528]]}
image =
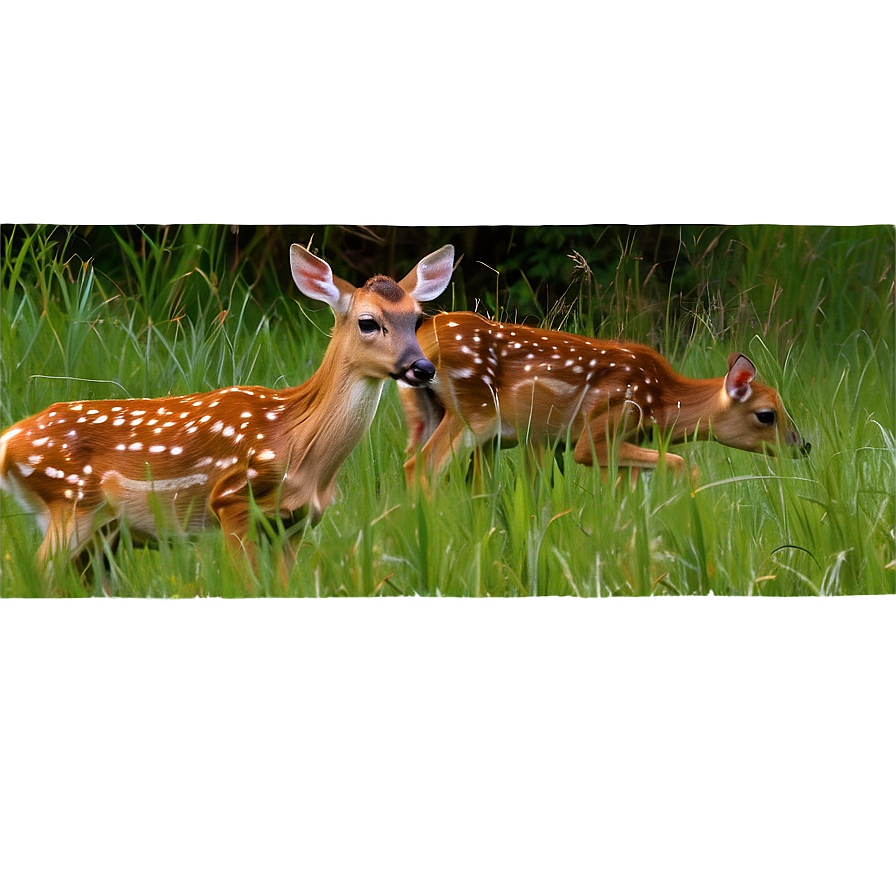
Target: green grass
{"points": [[813, 307]]}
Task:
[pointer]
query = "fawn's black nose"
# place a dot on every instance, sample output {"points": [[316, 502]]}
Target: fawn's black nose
{"points": [[419, 373]]}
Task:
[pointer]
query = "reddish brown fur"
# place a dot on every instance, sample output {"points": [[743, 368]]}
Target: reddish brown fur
{"points": [[525, 384], [177, 464]]}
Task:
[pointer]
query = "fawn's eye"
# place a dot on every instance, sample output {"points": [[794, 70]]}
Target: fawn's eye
{"points": [[367, 324], [766, 418]]}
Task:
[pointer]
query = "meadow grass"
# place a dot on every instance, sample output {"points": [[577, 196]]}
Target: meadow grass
{"points": [[813, 308]]}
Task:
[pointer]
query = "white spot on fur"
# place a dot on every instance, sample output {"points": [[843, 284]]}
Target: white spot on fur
{"points": [[176, 450], [158, 485], [229, 431], [24, 469], [156, 449], [267, 454]]}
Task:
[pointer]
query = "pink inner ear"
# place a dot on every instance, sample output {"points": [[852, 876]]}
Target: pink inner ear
{"points": [[314, 270], [743, 379]]}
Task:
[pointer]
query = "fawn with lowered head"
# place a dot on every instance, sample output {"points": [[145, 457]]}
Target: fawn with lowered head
{"points": [[523, 384], [181, 463]]}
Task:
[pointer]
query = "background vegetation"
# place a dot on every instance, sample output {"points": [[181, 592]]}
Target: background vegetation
{"points": [[102, 312]]}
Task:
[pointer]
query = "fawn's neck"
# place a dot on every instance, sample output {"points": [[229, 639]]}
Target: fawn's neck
{"points": [[689, 406], [328, 415]]}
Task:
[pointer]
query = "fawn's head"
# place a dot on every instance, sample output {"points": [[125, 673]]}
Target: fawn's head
{"points": [[376, 324], [755, 419]]}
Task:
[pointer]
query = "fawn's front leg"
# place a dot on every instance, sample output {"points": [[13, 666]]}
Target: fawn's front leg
{"points": [[448, 440], [594, 446]]}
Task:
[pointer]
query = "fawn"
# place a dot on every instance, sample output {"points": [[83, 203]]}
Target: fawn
{"points": [[181, 463], [522, 384]]}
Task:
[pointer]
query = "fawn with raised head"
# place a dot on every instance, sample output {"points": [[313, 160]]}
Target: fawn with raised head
{"points": [[523, 384], [180, 463]]}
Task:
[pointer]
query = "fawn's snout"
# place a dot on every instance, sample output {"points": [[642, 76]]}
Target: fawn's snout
{"points": [[796, 445], [417, 374]]}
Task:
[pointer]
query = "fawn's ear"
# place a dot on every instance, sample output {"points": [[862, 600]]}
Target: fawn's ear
{"points": [[431, 275], [314, 277], [740, 374]]}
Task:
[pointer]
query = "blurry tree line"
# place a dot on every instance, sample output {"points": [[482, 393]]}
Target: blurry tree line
{"points": [[533, 266]]}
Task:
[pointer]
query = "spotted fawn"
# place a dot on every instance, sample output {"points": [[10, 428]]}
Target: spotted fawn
{"points": [[177, 464], [524, 384]]}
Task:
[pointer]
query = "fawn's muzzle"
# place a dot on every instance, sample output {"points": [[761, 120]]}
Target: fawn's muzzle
{"points": [[418, 374]]}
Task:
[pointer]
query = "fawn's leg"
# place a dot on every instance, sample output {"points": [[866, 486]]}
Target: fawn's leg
{"points": [[68, 531], [229, 503], [594, 446], [447, 441]]}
